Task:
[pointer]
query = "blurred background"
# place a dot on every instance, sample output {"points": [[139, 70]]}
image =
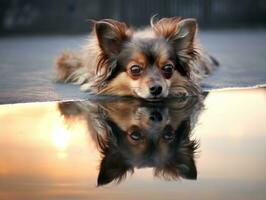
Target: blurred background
{"points": [[70, 16]]}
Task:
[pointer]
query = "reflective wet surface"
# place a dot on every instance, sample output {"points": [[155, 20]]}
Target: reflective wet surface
{"points": [[211, 147]]}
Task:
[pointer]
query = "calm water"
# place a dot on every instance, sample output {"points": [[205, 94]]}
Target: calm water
{"points": [[198, 148]]}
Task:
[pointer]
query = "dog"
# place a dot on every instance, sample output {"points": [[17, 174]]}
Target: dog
{"points": [[159, 61], [138, 134]]}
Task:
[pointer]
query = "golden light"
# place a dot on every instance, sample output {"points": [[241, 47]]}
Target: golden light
{"points": [[61, 137]]}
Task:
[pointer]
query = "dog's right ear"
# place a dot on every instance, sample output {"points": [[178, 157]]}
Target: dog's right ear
{"points": [[111, 35], [113, 167]]}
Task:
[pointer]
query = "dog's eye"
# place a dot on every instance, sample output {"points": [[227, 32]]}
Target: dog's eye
{"points": [[168, 136], [168, 70], [135, 70], [135, 135]]}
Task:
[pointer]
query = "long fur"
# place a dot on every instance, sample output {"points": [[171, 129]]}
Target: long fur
{"points": [[96, 67], [109, 123]]}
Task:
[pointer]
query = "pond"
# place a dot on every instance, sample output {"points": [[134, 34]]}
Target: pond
{"points": [[208, 147]]}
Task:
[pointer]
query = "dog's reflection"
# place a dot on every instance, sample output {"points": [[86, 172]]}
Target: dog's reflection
{"points": [[135, 134]]}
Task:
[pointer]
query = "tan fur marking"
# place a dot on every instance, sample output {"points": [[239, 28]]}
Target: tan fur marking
{"points": [[95, 66], [166, 27], [140, 59], [119, 86]]}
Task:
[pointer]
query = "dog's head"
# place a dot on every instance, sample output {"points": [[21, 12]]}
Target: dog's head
{"points": [[134, 134], [152, 63], [137, 134], [147, 136]]}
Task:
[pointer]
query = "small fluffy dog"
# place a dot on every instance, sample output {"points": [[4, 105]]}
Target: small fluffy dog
{"points": [[162, 60]]}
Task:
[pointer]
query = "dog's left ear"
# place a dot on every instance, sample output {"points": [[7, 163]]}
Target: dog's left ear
{"points": [[111, 34], [113, 167], [188, 169], [181, 33], [185, 154], [185, 35]]}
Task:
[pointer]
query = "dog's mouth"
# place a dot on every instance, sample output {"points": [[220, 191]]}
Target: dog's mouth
{"points": [[150, 98]]}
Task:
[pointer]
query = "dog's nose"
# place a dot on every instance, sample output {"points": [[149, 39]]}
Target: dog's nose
{"points": [[156, 116], [156, 90]]}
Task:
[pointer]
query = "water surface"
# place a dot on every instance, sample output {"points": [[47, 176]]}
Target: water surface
{"points": [[211, 147]]}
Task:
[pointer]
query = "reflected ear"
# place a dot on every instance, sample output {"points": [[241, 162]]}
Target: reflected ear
{"points": [[185, 163], [176, 169], [111, 35], [113, 167], [69, 109], [188, 169]]}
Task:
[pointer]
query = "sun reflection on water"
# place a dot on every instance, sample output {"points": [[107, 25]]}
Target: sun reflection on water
{"points": [[61, 139]]}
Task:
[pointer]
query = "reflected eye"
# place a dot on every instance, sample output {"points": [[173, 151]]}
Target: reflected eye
{"points": [[135, 70], [168, 136], [135, 135], [168, 133], [168, 70]]}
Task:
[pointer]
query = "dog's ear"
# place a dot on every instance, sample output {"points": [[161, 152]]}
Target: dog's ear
{"points": [[185, 34], [187, 169], [69, 109], [184, 158], [176, 169], [113, 167], [111, 34], [180, 164], [181, 33]]}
